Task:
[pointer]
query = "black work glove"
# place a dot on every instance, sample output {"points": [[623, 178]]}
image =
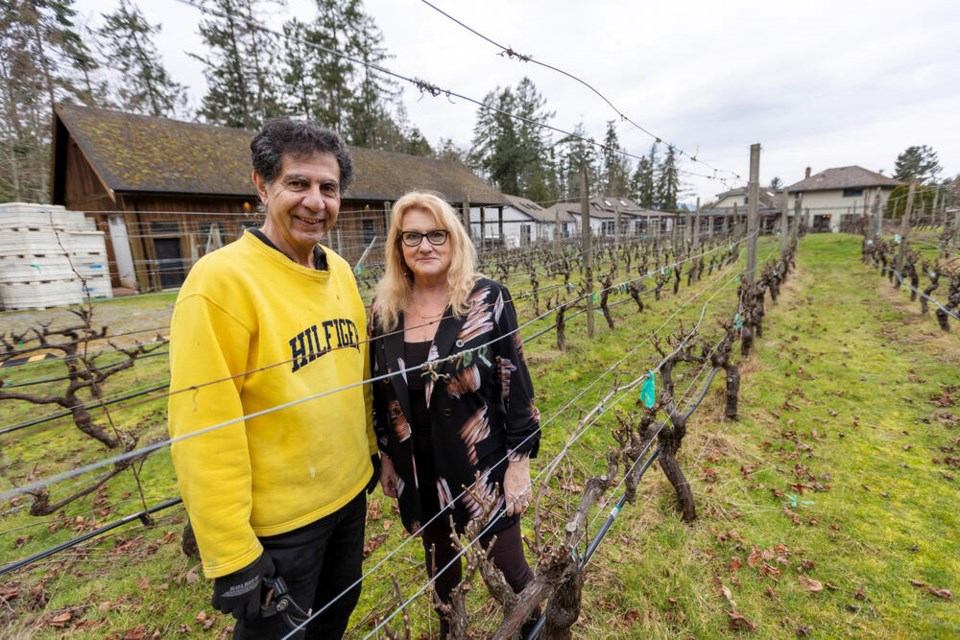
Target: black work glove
{"points": [[375, 478], [239, 593]]}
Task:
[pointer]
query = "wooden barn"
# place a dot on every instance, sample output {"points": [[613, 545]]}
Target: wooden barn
{"points": [[166, 192]]}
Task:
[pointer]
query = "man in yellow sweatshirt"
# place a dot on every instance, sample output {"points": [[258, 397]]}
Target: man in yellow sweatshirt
{"points": [[270, 418]]}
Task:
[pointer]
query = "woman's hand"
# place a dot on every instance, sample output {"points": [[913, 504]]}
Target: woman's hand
{"points": [[388, 477], [516, 487]]}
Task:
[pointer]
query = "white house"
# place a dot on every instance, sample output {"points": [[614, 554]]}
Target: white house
{"points": [[524, 223], [837, 198], [634, 219]]}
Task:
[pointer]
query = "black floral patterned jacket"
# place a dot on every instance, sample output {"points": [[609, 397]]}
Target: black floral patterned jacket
{"points": [[479, 397]]}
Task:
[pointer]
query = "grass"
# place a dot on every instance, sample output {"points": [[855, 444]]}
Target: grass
{"points": [[847, 411]]}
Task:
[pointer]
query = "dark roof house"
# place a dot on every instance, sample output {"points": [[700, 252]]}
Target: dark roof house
{"points": [[852, 177], [162, 183]]}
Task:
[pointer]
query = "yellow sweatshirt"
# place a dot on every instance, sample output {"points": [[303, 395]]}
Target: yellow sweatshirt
{"points": [[253, 332]]}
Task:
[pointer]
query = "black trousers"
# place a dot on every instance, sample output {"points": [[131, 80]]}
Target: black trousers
{"points": [[506, 553], [319, 562]]}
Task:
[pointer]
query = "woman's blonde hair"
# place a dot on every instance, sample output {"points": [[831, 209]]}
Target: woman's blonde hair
{"points": [[393, 291]]}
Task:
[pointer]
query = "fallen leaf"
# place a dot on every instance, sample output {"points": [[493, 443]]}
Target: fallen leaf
{"points": [[814, 586], [946, 594], [754, 558], [61, 620], [728, 595], [859, 594], [739, 623], [917, 583]]}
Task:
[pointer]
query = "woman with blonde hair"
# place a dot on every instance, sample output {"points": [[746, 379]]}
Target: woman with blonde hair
{"points": [[459, 413]]}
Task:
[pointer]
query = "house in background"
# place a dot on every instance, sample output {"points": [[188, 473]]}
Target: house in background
{"points": [[835, 199], [524, 223], [166, 192], [731, 210], [604, 211]]}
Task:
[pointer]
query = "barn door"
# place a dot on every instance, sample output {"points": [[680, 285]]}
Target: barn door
{"points": [[169, 262]]}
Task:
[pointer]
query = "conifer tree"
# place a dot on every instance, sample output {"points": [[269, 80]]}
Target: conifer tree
{"points": [[144, 87], [918, 163], [241, 88], [41, 57], [643, 183], [509, 143], [576, 151], [616, 167], [668, 182]]}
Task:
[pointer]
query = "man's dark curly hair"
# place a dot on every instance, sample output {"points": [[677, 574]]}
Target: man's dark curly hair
{"points": [[285, 136]]}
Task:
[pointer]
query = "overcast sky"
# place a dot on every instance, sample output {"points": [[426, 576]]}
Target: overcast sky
{"points": [[818, 84]]}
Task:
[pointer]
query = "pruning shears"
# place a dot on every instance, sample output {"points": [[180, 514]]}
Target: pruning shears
{"points": [[278, 601]]}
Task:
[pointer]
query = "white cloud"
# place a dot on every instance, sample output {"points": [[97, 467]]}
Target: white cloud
{"points": [[820, 83]]}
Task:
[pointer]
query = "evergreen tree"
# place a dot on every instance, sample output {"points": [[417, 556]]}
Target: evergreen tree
{"points": [[643, 183], [496, 148], [509, 143], [616, 166], [576, 151], [241, 90], [918, 163], [41, 57], [535, 178], [668, 182], [128, 47], [450, 151], [351, 97]]}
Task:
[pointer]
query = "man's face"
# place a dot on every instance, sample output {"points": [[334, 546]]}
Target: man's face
{"points": [[302, 203]]}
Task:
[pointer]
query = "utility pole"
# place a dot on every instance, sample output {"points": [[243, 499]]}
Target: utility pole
{"points": [[753, 213], [586, 245], [905, 228]]}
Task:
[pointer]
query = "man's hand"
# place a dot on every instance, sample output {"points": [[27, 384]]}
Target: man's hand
{"points": [[388, 477], [239, 593], [516, 487]]}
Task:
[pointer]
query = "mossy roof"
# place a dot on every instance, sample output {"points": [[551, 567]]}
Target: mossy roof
{"points": [[144, 154]]}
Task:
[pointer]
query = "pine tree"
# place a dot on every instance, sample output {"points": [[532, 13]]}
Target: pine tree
{"points": [[128, 47], [918, 163], [41, 57], [495, 151], [668, 182], [241, 90], [576, 151], [450, 151], [333, 91], [616, 167], [509, 143], [643, 183]]}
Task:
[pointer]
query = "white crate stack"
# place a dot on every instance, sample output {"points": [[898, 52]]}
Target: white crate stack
{"points": [[43, 248]]}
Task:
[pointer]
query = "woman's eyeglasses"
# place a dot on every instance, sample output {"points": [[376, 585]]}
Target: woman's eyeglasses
{"points": [[436, 237]]}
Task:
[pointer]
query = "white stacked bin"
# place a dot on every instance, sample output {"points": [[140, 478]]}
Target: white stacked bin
{"points": [[43, 250]]}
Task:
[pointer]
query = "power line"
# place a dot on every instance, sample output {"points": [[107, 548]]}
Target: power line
{"points": [[510, 53]]}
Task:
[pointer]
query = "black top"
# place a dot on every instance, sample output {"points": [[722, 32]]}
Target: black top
{"points": [[415, 354]]}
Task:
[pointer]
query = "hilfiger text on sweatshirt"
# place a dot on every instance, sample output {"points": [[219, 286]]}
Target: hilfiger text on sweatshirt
{"points": [[317, 340]]}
